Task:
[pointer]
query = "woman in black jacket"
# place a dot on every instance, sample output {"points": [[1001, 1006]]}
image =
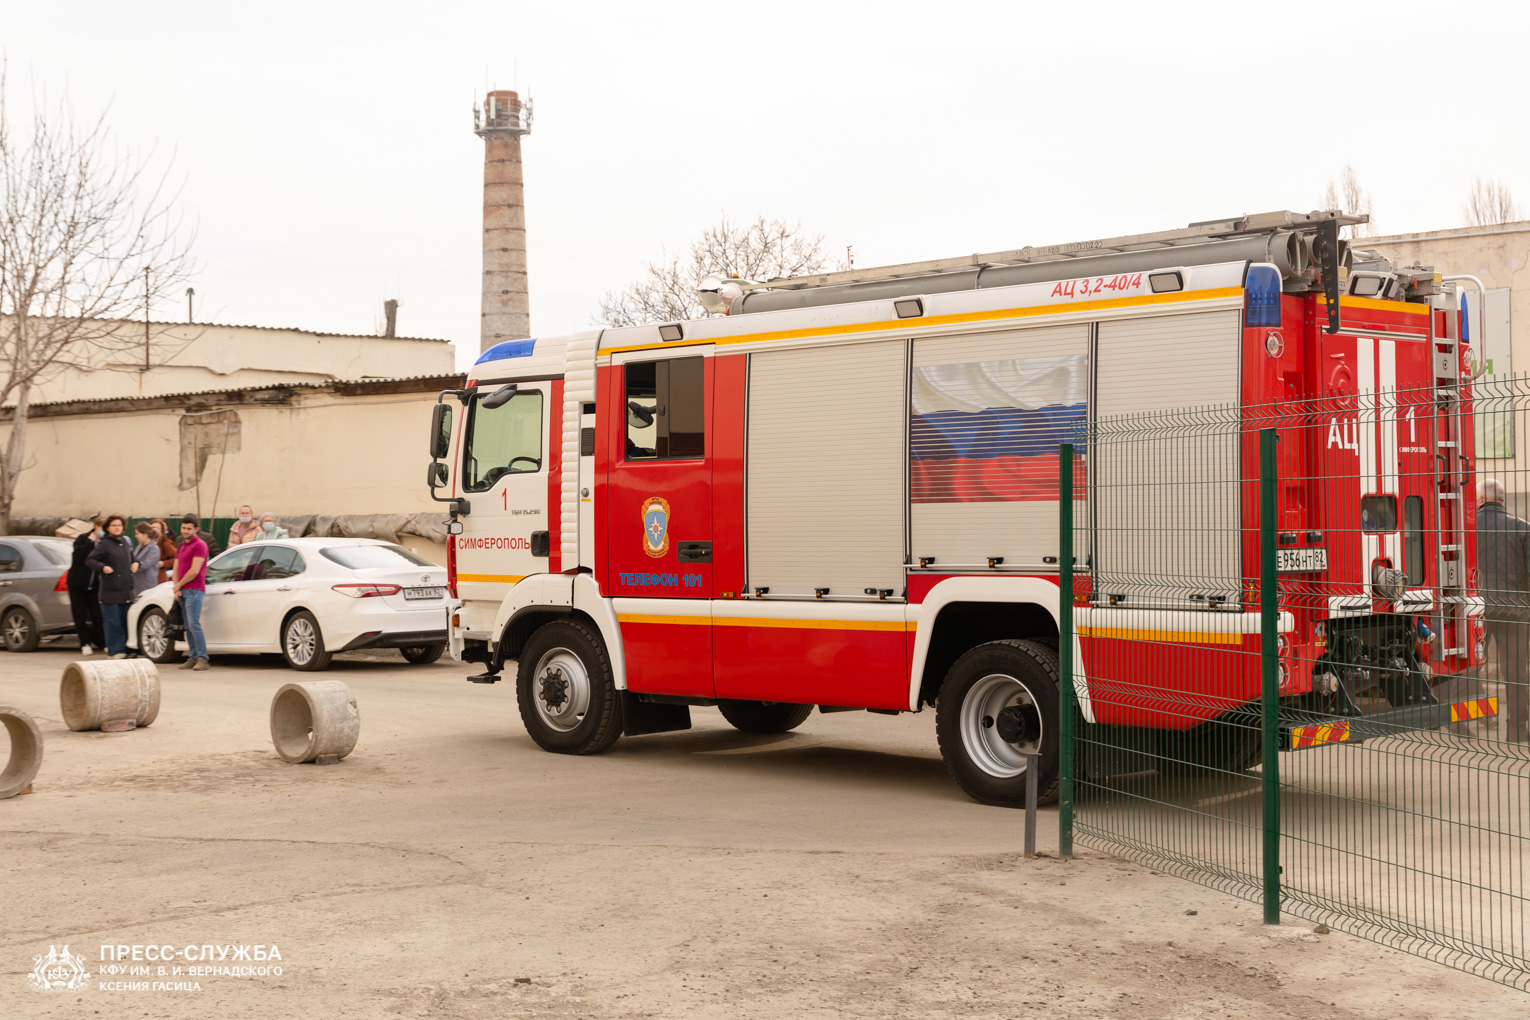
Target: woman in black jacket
{"points": [[113, 557], [81, 582]]}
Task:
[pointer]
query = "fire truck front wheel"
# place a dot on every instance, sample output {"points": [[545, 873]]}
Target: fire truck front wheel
{"points": [[568, 699], [998, 704]]}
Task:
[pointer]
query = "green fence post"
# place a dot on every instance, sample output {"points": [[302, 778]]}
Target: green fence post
{"points": [[1065, 646], [1269, 663]]}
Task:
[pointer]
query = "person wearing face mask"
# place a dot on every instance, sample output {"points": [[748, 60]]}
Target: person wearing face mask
{"points": [[245, 530], [81, 584], [166, 548], [113, 557], [270, 529]]}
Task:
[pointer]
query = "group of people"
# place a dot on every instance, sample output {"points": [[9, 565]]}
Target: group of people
{"points": [[109, 572], [250, 528]]}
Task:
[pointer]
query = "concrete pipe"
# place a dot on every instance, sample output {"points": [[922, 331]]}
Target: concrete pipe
{"points": [[26, 752], [113, 694], [315, 721]]}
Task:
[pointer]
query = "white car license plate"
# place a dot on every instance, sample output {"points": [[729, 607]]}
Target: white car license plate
{"points": [[424, 593], [1301, 561]]}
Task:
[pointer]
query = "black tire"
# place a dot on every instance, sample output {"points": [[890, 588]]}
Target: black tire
{"points": [[764, 716], [303, 643], [421, 655], [563, 683], [993, 692], [19, 630], [1230, 744], [154, 643]]}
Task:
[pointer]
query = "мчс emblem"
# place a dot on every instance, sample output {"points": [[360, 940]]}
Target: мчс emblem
{"points": [[655, 526], [58, 971]]}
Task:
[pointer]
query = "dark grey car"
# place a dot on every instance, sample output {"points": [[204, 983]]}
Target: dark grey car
{"points": [[32, 599]]}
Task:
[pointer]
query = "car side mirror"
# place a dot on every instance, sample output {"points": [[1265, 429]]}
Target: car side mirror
{"points": [[440, 430], [437, 475]]}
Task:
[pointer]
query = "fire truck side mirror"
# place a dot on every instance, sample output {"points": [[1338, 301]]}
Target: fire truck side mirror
{"points": [[499, 398], [440, 430], [639, 415], [437, 476]]}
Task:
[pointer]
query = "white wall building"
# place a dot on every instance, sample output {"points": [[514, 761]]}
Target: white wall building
{"points": [[328, 432]]}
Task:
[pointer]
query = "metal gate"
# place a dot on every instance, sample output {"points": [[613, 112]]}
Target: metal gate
{"points": [[1337, 758]]}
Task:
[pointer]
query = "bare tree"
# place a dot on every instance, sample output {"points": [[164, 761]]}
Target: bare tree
{"points": [[89, 238], [666, 292], [1348, 196], [1489, 203]]}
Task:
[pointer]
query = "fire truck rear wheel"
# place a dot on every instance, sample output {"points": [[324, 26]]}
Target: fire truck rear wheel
{"points": [[1220, 745], [567, 695], [764, 716], [998, 702]]}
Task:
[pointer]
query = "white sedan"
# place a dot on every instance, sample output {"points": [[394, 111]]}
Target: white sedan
{"points": [[306, 598]]}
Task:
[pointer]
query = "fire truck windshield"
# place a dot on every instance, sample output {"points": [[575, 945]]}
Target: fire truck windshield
{"points": [[502, 440]]}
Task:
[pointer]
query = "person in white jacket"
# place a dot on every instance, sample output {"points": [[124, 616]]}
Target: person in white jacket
{"points": [[270, 529]]}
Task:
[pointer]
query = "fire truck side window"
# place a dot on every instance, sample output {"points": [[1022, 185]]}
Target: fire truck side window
{"points": [[666, 410], [1378, 513], [502, 440], [1413, 538]]}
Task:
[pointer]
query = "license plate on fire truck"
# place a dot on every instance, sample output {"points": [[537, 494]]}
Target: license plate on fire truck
{"points": [[1301, 561], [424, 593]]}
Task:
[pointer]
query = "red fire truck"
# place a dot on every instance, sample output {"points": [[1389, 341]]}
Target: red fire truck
{"points": [[844, 494]]}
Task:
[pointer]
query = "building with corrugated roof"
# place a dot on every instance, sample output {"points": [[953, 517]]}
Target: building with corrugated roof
{"points": [[326, 431], [152, 358]]}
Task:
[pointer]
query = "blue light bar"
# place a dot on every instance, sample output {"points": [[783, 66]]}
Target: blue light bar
{"points": [[508, 349], [1466, 320], [1261, 296]]}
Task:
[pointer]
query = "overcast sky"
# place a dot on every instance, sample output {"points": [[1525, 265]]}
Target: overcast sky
{"points": [[330, 162]]}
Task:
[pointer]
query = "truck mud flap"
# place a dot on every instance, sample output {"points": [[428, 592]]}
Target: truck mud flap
{"points": [[640, 716]]}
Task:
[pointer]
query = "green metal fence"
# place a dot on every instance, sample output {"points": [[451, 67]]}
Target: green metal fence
{"points": [[1299, 653]]}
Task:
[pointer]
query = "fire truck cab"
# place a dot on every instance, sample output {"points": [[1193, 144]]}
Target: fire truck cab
{"points": [[844, 493]]}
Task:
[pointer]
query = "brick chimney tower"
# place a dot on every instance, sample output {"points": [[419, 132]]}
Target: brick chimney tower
{"points": [[506, 313]]}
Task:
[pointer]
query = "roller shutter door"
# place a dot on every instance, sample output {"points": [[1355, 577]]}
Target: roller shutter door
{"points": [[1164, 488], [987, 415], [825, 469]]}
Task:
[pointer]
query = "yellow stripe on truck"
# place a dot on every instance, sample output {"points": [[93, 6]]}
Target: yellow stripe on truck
{"points": [[942, 320], [1186, 637]]}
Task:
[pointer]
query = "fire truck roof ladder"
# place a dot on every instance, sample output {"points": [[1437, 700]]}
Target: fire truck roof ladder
{"points": [[1282, 238]]}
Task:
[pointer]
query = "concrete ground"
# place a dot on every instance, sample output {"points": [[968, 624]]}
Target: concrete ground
{"points": [[449, 868]]}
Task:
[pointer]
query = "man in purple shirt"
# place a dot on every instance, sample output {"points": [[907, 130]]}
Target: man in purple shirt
{"points": [[190, 581]]}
